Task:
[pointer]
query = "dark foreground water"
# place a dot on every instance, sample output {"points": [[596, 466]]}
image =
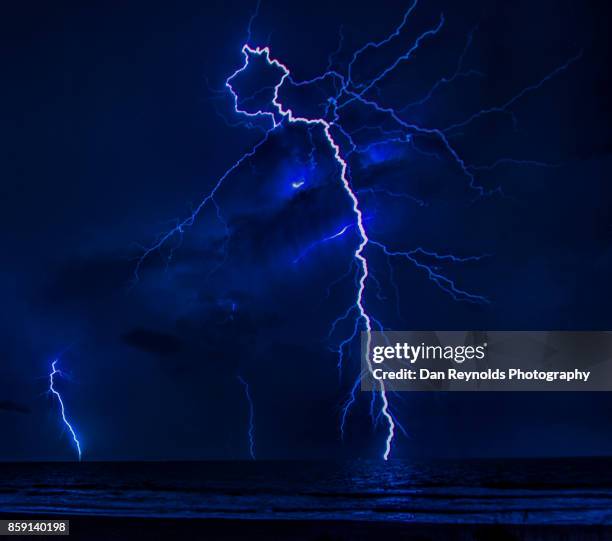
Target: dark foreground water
{"points": [[555, 491]]}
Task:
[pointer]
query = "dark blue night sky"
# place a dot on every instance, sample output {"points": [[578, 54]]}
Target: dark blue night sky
{"points": [[116, 123]]}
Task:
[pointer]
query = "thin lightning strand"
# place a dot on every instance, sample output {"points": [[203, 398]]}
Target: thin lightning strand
{"points": [[504, 107], [378, 44], [444, 283], [56, 372], [310, 247], [406, 56], [251, 431], [459, 72], [179, 229], [252, 20]]}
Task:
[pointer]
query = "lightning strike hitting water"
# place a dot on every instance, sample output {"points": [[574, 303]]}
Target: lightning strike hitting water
{"points": [[251, 432], [56, 372], [341, 145]]}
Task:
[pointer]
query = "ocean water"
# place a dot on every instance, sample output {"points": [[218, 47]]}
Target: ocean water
{"points": [[542, 491]]}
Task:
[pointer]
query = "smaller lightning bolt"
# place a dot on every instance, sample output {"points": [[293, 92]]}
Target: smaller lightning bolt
{"points": [[251, 432], [56, 372], [297, 184], [321, 241]]}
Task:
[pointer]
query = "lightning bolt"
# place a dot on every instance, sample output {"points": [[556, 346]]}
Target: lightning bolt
{"points": [[56, 372], [343, 145], [285, 113], [251, 431]]}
